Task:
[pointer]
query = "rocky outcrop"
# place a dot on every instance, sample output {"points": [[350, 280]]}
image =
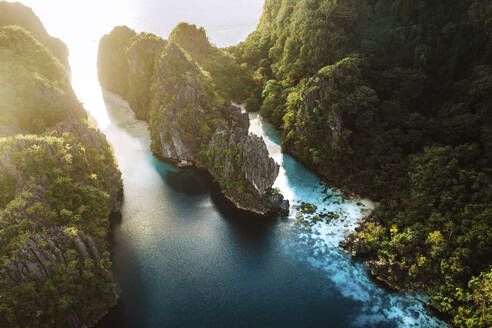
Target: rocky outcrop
{"points": [[38, 257], [185, 110], [190, 123], [142, 56], [94, 139], [182, 107], [241, 163], [392, 274], [258, 168], [356, 246]]}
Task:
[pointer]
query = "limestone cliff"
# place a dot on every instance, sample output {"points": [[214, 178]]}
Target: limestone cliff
{"points": [[241, 164], [190, 124], [188, 117], [59, 182], [185, 110], [142, 55]]}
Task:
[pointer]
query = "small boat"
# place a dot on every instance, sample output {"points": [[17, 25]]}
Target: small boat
{"points": [[184, 163]]}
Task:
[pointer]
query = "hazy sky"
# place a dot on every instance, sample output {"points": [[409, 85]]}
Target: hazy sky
{"points": [[227, 21]]}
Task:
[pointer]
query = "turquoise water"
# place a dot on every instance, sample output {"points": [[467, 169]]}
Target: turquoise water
{"points": [[186, 258], [182, 255]]}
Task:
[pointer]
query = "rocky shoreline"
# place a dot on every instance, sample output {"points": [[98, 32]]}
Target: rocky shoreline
{"points": [[392, 275]]}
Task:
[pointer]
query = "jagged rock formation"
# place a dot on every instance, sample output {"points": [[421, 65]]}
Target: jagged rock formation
{"points": [[142, 56], [36, 264], [240, 161], [58, 185], [183, 107], [190, 121]]}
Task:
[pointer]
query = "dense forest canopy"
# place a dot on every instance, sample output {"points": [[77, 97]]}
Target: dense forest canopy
{"points": [[392, 100]]}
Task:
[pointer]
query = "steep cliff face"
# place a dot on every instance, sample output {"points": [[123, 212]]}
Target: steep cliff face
{"points": [[326, 111], [126, 62], [112, 63], [242, 166], [185, 109], [142, 55], [188, 116], [59, 182]]}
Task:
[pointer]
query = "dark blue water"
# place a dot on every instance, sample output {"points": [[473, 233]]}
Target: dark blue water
{"points": [[185, 257]]}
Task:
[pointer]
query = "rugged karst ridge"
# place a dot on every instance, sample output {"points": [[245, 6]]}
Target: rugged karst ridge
{"points": [[190, 119]]}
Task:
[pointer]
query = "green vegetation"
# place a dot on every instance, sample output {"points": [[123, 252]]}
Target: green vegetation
{"points": [[126, 66], [15, 13], [64, 186], [391, 99], [127, 61], [34, 84], [78, 285], [231, 80], [181, 85], [183, 96], [58, 185], [225, 159]]}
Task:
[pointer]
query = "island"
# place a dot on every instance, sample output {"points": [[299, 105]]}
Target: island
{"points": [[177, 86]]}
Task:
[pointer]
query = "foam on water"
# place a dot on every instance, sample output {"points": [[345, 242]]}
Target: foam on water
{"points": [[317, 244]]}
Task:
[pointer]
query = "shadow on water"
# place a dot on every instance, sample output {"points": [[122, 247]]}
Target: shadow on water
{"points": [[134, 294], [248, 227], [188, 181], [251, 229]]}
